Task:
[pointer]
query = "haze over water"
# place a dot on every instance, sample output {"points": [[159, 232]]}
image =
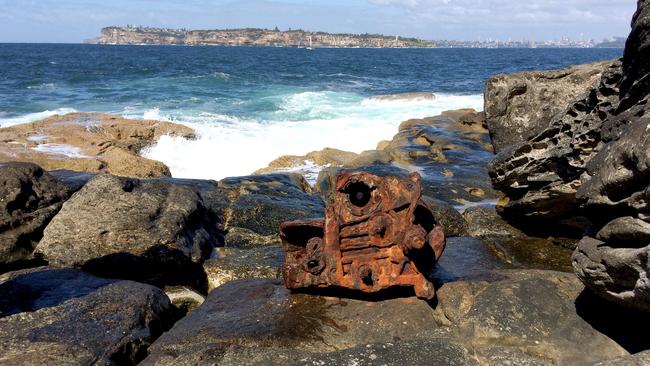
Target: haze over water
{"points": [[251, 105]]}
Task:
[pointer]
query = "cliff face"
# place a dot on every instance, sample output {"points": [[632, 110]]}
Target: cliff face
{"points": [[249, 37]]}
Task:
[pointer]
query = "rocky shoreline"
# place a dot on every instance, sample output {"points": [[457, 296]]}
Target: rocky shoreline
{"points": [[89, 142], [107, 259]]}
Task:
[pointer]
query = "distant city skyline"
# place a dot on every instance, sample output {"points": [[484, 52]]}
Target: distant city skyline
{"points": [[72, 21]]}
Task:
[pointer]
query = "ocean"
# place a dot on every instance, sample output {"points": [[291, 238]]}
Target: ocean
{"points": [[252, 105]]}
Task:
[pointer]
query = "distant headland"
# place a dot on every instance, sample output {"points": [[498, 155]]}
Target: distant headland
{"points": [[251, 37], [139, 35]]}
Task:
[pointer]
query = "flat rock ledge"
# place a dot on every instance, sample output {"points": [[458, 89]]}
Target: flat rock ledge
{"points": [[90, 142], [523, 317]]}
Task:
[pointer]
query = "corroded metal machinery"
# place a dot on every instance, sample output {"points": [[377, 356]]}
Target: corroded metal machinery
{"points": [[377, 234]]}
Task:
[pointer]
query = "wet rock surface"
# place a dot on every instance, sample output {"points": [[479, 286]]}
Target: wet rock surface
{"points": [[519, 106], [525, 317], [515, 247], [29, 199], [68, 317], [450, 151], [89, 142], [149, 231]]}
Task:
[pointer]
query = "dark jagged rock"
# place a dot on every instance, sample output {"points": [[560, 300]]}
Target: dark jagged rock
{"points": [[635, 84], [68, 317], [253, 207], [540, 177], [612, 260], [29, 198], [152, 231], [519, 106], [517, 317]]}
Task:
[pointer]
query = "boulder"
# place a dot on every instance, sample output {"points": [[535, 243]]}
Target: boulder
{"points": [[517, 317], [68, 317], [253, 207], [519, 106], [449, 219], [29, 198], [151, 231], [540, 176], [89, 142]]}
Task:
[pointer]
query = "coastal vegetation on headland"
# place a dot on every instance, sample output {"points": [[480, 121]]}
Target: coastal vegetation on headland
{"points": [[252, 37], [131, 35], [106, 269]]}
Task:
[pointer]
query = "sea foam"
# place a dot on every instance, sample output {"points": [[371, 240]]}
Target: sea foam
{"points": [[32, 117], [303, 122]]}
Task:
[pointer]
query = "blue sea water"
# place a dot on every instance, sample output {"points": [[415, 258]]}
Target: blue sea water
{"points": [[251, 105]]}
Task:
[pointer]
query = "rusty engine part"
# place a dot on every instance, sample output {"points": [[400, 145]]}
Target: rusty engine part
{"points": [[378, 233]]}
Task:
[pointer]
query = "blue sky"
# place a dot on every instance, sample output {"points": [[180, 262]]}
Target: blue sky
{"points": [[75, 20]]}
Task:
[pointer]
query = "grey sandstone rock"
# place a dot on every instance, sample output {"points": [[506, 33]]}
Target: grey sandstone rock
{"points": [[151, 231], [519, 106]]}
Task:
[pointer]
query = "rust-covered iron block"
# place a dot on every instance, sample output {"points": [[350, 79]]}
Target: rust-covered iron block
{"points": [[378, 233]]}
